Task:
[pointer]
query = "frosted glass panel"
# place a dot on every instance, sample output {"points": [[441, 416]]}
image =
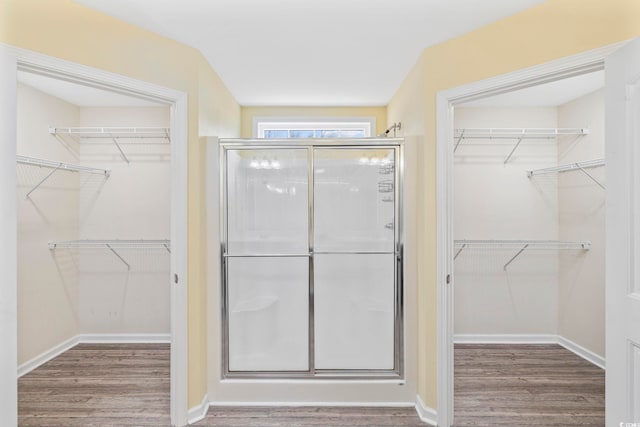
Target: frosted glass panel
{"points": [[267, 196], [354, 200], [268, 314], [354, 311]]}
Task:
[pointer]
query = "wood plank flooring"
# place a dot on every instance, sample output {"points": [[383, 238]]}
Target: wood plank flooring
{"points": [[128, 385], [526, 385], [311, 416], [95, 385]]}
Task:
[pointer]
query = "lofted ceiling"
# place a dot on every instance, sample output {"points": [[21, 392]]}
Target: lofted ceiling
{"points": [[311, 52]]}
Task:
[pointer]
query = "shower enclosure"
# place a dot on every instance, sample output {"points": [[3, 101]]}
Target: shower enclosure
{"points": [[312, 258]]}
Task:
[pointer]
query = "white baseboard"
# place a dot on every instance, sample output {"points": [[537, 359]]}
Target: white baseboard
{"points": [[199, 412], [53, 352], [124, 338], [323, 403], [587, 355], [43, 358], [427, 415], [577, 349], [505, 339]]}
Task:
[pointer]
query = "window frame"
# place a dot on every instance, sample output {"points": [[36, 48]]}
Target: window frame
{"points": [[261, 124]]}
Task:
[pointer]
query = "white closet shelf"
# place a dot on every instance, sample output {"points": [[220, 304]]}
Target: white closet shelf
{"points": [[120, 244], [578, 166], [112, 245], [115, 134], [519, 134], [520, 245], [56, 166]]}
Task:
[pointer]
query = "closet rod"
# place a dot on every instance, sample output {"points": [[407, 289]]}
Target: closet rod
{"points": [[581, 166], [516, 133], [112, 246], [114, 132], [118, 244], [521, 245], [56, 166]]}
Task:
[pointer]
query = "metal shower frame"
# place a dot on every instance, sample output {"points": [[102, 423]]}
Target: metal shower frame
{"points": [[311, 144]]}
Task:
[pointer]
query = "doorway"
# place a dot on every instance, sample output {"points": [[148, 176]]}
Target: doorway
{"points": [[18, 60], [447, 102], [529, 238]]}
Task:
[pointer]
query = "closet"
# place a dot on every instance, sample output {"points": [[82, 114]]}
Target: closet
{"points": [[93, 219], [529, 220]]}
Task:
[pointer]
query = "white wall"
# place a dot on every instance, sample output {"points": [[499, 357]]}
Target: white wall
{"points": [[493, 200], [65, 292], [581, 295], [134, 203], [47, 280]]}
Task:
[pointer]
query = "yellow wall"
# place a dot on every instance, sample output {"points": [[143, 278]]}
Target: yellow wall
{"points": [[248, 113], [551, 30], [66, 30]]}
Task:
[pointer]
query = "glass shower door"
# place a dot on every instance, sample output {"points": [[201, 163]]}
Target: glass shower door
{"points": [[354, 258], [267, 259]]}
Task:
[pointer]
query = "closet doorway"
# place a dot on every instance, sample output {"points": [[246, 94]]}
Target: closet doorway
{"points": [[64, 192], [529, 238], [509, 260]]}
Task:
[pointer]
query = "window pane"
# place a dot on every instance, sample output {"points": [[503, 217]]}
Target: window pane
{"points": [[268, 314], [267, 201], [352, 133], [330, 133], [279, 133], [301, 133]]}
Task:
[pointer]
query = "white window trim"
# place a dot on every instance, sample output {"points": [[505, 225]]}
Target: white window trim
{"points": [[260, 124]]}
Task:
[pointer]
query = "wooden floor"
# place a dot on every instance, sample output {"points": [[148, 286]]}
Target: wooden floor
{"points": [[98, 385], [526, 385], [128, 385]]}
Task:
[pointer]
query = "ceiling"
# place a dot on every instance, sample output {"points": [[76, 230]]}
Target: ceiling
{"points": [[545, 95], [311, 52], [80, 95]]}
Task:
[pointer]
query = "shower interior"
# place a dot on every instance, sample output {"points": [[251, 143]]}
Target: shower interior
{"points": [[311, 254]]}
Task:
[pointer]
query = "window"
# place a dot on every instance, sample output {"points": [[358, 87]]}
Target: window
{"points": [[271, 128]]}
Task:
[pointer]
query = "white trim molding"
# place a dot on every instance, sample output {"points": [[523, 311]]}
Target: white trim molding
{"points": [[573, 347], [579, 350], [427, 415], [66, 345], [505, 339], [46, 356], [570, 66], [124, 338], [199, 412]]}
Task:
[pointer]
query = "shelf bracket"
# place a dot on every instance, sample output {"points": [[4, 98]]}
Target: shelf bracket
{"points": [[124, 157], [118, 255], [166, 133], [43, 180], [515, 256], [459, 140], [459, 250], [512, 151], [590, 176], [167, 247]]}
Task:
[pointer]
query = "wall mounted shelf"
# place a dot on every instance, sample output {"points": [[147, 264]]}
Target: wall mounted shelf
{"points": [[56, 166], [520, 246], [518, 134], [112, 245], [114, 134], [578, 166]]}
